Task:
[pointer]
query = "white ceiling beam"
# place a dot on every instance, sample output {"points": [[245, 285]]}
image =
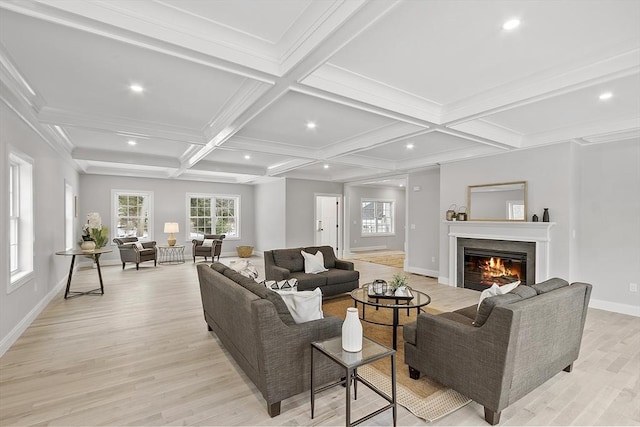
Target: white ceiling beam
{"points": [[109, 156]]}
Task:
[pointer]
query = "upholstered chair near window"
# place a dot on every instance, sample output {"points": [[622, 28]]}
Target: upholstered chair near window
{"points": [[210, 246], [131, 250]]}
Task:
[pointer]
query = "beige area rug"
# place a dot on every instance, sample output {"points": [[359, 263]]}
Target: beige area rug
{"points": [[393, 260], [426, 399]]}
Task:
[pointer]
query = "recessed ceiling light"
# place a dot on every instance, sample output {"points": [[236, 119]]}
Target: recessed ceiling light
{"points": [[511, 24], [605, 95], [311, 125], [131, 142], [136, 88], [401, 185], [410, 146], [326, 166], [247, 156]]}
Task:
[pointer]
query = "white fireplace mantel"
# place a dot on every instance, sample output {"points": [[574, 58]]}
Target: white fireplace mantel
{"points": [[538, 232]]}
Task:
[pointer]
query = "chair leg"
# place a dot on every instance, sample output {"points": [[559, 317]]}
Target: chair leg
{"points": [[155, 262], [123, 265], [194, 259], [414, 374], [568, 368], [273, 409], [209, 328], [137, 266], [491, 417]]}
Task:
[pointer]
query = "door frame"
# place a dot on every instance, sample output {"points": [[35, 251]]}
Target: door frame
{"points": [[340, 199]]}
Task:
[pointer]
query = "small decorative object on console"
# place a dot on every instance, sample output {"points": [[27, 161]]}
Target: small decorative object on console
{"points": [[398, 280], [545, 215], [379, 286], [451, 213]]}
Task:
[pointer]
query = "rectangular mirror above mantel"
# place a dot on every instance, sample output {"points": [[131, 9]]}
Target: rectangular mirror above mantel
{"points": [[505, 201]]}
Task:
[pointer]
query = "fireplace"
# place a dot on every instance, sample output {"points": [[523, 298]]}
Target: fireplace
{"points": [[483, 262]]}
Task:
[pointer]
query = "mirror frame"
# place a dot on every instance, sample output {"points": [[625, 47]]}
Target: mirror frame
{"points": [[499, 184]]}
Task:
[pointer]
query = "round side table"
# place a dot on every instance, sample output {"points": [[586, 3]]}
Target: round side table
{"points": [[170, 254]]}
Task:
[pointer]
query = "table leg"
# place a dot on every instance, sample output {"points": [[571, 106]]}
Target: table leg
{"points": [[393, 388], [395, 328], [99, 272], [312, 389], [355, 384], [347, 387], [66, 292]]}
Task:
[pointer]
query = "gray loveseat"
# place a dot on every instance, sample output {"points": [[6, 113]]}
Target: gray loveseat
{"points": [[283, 264], [256, 328], [519, 341]]}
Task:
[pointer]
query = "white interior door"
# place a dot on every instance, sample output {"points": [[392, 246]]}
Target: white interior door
{"points": [[327, 227]]}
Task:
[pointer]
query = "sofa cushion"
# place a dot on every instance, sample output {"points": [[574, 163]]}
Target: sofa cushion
{"points": [[327, 253], [259, 290], [487, 305], [469, 312], [336, 276], [308, 282], [219, 267], [550, 285], [291, 259]]}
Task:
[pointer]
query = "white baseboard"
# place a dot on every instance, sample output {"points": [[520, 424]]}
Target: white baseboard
{"points": [[444, 281], [22, 326], [631, 310], [368, 248], [421, 271]]}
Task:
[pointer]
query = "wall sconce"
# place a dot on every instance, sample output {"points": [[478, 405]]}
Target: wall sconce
{"points": [[171, 227]]}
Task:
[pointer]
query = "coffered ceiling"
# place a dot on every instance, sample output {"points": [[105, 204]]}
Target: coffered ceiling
{"points": [[232, 88]]}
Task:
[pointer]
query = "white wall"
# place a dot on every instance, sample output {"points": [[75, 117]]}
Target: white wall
{"points": [[423, 211], [300, 210], [608, 217], [353, 199], [50, 170], [270, 215], [169, 205]]}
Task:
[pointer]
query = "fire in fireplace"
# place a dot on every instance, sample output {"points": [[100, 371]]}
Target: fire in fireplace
{"points": [[485, 262]]}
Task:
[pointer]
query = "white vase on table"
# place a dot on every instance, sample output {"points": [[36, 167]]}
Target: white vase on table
{"points": [[352, 331]]}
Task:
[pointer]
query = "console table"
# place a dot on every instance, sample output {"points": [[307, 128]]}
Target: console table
{"points": [[170, 254], [95, 253]]}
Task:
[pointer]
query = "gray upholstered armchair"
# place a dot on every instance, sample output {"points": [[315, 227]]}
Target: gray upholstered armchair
{"points": [[129, 251], [208, 251]]}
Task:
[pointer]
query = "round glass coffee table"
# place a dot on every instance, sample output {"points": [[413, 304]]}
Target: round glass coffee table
{"points": [[414, 300]]}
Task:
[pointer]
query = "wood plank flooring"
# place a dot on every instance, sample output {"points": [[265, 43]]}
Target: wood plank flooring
{"points": [[141, 355]]}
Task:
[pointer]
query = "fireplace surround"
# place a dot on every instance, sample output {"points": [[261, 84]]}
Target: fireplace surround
{"points": [[538, 233]]}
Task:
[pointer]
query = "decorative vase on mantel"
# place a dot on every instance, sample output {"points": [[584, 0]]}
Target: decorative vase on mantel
{"points": [[545, 215], [352, 331], [88, 245]]}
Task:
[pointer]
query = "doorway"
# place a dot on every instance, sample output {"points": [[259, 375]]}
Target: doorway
{"points": [[327, 223]]}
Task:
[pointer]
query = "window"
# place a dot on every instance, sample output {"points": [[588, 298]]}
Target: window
{"points": [[212, 214], [133, 215], [20, 219], [377, 217]]}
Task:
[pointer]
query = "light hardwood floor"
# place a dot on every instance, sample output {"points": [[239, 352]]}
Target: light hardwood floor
{"points": [[141, 355]]}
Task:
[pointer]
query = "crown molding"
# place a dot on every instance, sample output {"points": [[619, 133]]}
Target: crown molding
{"points": [[544, 85], [621, 126], [337, 80], [57, 116], [611, 137]]}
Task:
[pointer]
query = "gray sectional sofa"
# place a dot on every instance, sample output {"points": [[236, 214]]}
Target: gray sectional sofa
{"points": [[256, 328], [511, 345], [283, 264]]}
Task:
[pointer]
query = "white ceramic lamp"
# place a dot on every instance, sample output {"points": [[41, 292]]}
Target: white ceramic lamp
{"points": [[171, 227]]}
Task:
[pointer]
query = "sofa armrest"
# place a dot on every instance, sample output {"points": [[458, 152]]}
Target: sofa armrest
{"points": [[278, 273], [284, 352], [344, 265]]}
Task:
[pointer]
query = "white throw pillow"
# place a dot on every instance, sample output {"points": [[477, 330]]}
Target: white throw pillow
{"points": [[207, 243], [138, 245], [304, 306], [290, 285], [497, 290], [313, 264]]}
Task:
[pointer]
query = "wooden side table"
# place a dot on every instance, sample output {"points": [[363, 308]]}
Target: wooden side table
{"points": [[96, 255], [371, 351], [170, 254]]}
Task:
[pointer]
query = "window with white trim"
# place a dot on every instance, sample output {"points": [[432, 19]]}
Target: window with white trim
{"points": [[213, 214], [377, 217], [20, 219], [133, 214]]}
